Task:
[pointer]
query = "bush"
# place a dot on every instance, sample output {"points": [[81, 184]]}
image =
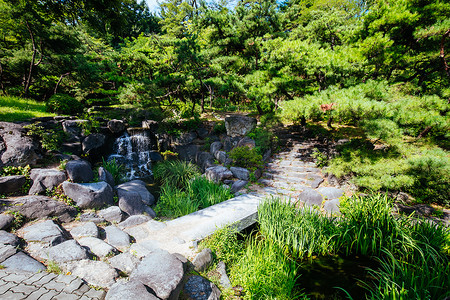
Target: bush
{"points": [[174, 203], [245, 157], [11, 170], [115, 168], [208, 193], [264, 139], [64, 104], [50, 140], [225, 244], [175, 173]]}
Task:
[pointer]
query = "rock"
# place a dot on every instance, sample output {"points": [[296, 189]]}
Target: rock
{"points": [[74, 148], [104, 175], [316, 182], [144, 248], [65, 252], [240, 173], [267, 155], [150, 124], [6, 251], [11, 184], [97, 246], [238, 185], [130, 290], [199, 288], [202, 132], [239, 125], [131, 203], [5, 221], [79, 171], [330, 192], [187, 152], [45, 179], [139, 187], [246, 142], [310, 197], [73, 128], [22, 262], [332, 206], [116, 126], [162, 272], [111, 214], [40, 207], [117, 238], [45, 232], [224, 280], [218, 173], [134, 221], [91, 217], [93, 142], [16, 149], [230, 142], [88, 229], [216, 146], [89, 195], [155, 156], [223, 158], [96, 273], [7, 238], [205, 160], [203, 260], [124, 262], [185, 138]]}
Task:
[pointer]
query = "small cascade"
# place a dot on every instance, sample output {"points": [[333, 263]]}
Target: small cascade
{"points": [[133, 150]]}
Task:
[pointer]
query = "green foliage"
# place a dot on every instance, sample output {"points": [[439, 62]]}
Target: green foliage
{"points": [[175, 173], [265, 271], [219, 127], [13, 109], [245, 157], [226, 244], [116, 169], [198, 193], [18, 221], [264, 139], [53, 267], [12, 170], [64, 104], [320, 157], [50, 140]]}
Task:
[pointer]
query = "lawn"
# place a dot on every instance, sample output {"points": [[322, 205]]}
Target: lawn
{"points": [[19, 109]]}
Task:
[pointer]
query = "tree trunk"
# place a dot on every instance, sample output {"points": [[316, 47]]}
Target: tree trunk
{"points": [[1, 80], [330, 120], [424, 132], [27, 82], [59, 81], [446, 66]]}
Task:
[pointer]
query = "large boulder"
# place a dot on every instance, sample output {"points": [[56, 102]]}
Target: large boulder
{"points": [[185, 138], [134, 221], [104, 175], [40, 207], [116, 126], [111, 214], [218, 173], [216, 146], [223, 158], [11, 184], [162, 272], [79, 171], [16, 148], [139, 187], [239, 125], [203, 260], [93, 142], [240, 173], [131, 203], [45, 179], [205, 160], [246, 142], [187, 152], [74, 129], [89, 195]]}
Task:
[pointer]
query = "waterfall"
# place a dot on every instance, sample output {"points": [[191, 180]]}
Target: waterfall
{"points": [[133, 150]]}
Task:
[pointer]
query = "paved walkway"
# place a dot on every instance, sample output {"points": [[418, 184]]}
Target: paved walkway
{"points": [[43, 286]]}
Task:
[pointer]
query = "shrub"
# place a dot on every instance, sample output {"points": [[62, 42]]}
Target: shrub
{"points": [[64, 104], [246, 158], [175, 173], [225, 244], [219, 127], [207, 192], [174, 203], [50, 139], [264, 139], [115, 168], [11, 170]]}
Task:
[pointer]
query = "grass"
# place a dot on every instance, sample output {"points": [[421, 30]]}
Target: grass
{"points": [[175, 173], [412, 254], [14, 109]]}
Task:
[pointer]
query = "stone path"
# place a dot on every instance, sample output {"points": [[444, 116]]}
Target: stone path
{"points": [[27, 285]]}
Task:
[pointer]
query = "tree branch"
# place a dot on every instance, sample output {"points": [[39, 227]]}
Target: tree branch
{"points": [[446, 66]]}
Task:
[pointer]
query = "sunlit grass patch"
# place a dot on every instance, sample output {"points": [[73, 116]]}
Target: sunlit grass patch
{"points": [[20, 109]]}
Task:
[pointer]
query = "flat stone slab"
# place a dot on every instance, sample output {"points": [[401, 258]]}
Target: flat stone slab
{"points": [[7, 238], [129, 290], [88, 229], [117, 238], [311, 197], [43, 232], [23, 262], [330, 192], [134, 221], [97, 246], [6, 251], [125, 262], [65, 252], [96, 273]]}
